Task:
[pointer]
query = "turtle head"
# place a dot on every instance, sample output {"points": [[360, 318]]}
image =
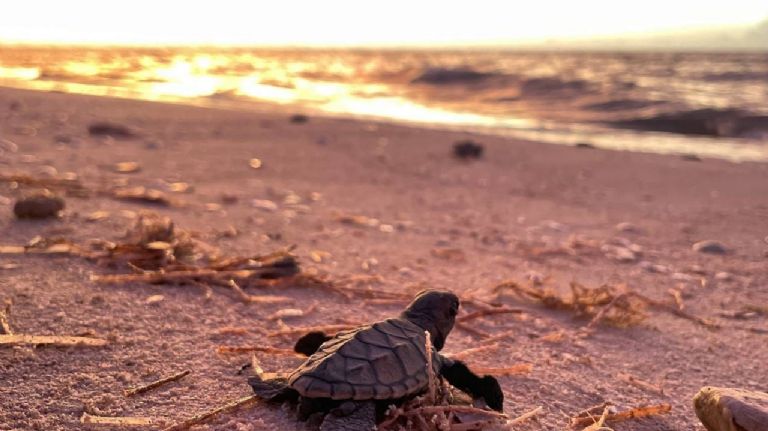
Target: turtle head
{"points": [[434, 311]]}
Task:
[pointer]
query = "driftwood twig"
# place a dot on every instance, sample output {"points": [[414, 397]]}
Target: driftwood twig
{"points": [[204, 416], [56, 340], [122, 421], [141, 389], [5, 326]]}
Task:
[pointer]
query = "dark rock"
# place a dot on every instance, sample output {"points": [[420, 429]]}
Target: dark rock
{"points": [[467, 150], [39, 205], [710, 246], [690, 157], [299, 119], [584, 145], [109, 129]]}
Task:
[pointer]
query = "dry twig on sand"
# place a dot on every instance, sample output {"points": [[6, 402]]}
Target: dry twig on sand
{"points": [[673, 309], [204, 416], [634, 413], [642, 384], [55, 340], [489, 312], [122, 421], [141, 389], [525, 416], [257, 299], [5, 325], [599, 424], [513, 370], [71, 186]]}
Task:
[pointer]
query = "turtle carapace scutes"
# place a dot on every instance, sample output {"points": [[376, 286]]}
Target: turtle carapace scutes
{"points": [[356, 371]]}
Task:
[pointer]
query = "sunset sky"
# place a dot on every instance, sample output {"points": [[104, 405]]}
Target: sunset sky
{"points": [[359, 23]]}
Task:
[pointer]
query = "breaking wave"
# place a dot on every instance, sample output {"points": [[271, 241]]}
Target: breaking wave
{"points": [[724, 123]]}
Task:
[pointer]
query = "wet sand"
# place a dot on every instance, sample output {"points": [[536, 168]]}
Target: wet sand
{"points": [[521, 196]]}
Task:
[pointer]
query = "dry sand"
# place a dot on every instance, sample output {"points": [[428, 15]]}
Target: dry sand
{"points": [[520, 195]]}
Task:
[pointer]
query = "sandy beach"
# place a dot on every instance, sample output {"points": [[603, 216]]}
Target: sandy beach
{"points": [[538, 214]]}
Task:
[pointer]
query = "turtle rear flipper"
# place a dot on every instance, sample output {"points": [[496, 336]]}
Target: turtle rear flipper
{"points": [[275, 390], [351, 416]]}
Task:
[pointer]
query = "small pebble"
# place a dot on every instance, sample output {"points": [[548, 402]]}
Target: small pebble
{"points": [[467, 149], [723, 276], [154, 299], [653, 267], [710, 246], [264, 204], [39, 205], [627, 227], [127, 167], [255, 163], [624, 255], [299, 119]]}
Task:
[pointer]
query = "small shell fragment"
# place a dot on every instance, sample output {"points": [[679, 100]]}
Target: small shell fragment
{"points": [[127, 167]]}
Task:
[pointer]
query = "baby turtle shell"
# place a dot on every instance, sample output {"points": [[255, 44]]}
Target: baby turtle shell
{"points": [[385, 360]]}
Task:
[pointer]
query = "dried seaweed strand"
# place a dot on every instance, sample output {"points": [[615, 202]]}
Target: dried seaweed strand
{"points": [[678, 312], [634, 413], [56, 340], [585, 331], [202, 417], [155, 384]]}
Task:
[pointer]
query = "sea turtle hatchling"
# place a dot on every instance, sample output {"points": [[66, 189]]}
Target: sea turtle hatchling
{"points": [[358, 372]]}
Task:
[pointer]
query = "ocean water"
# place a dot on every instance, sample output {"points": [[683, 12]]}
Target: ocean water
{"points": [[712, 105]]}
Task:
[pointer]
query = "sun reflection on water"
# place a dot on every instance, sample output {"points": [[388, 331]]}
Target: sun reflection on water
{"points": [[523, 97]]}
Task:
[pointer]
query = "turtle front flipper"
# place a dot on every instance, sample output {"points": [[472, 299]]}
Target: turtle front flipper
{"points": [[351, 416], [487, 387], [309, 343], [276, 390]]}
